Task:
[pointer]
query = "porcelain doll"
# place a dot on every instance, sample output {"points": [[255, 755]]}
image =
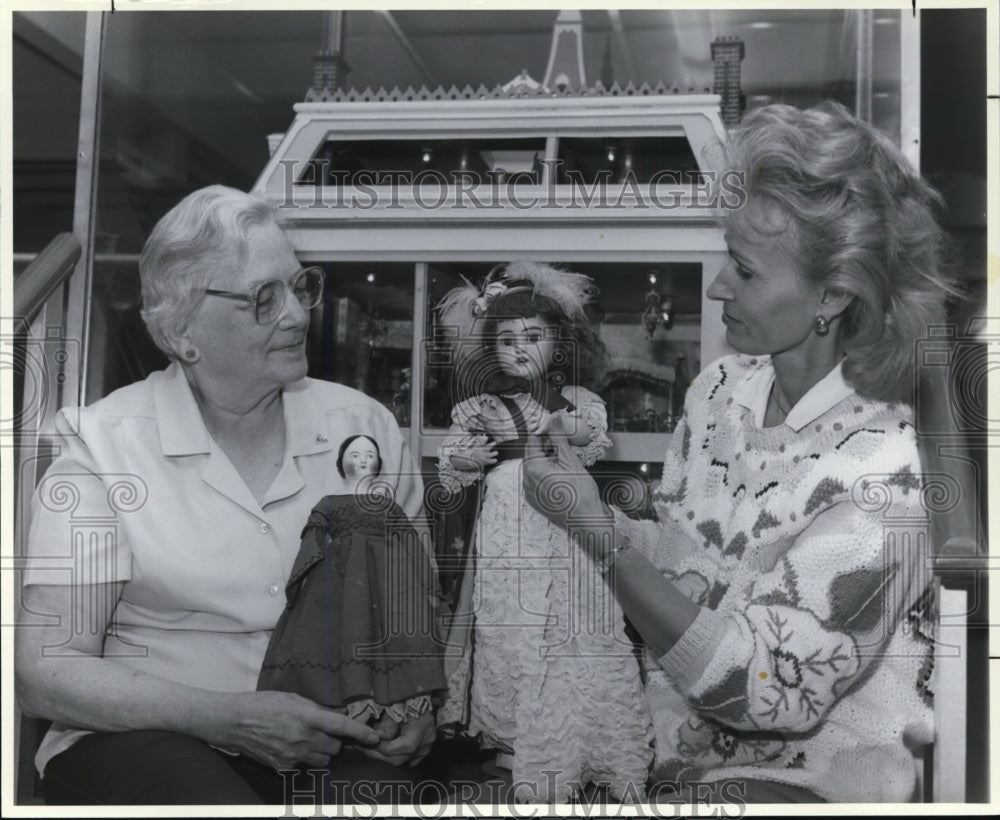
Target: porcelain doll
{"points": [[356, 633], [546, 674]]}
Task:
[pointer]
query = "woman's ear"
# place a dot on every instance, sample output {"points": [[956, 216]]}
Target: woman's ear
{"points": [[833, 302], [183, 347]]}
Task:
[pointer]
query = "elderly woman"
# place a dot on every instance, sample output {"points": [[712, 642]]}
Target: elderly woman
{"points": [[147, 658], [780, 594]]}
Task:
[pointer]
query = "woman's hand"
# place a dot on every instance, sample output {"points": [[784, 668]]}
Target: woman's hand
{"points": [[283, 730], [410, 746], [570, 425], [558, 486]]}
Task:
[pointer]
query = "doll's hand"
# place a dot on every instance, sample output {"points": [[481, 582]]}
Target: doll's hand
{"points": [[475, 456], [386, 727]]}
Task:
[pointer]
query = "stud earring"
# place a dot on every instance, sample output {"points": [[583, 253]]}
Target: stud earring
{"points": [[190, 355], [822, 326]]}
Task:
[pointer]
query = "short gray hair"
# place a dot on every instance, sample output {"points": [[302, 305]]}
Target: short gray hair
{"points": [[203, 235]]}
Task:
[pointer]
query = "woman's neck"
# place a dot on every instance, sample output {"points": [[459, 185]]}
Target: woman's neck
{"points": [[796, 372], [228, 411]]}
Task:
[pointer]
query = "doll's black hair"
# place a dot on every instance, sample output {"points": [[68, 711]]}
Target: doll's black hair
{"points": [[347, 443], [581, 357]]}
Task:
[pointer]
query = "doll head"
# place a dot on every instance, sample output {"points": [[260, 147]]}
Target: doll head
{"points": [[528, 320], [524, 346], [529, 335], [359, 457]]}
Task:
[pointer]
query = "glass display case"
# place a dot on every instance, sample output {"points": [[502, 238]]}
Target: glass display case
{"points": [[618, 187], [186, 101], [396, 190], [648, 316], [361, 334]]}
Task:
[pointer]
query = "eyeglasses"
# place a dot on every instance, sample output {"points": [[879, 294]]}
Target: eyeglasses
{"points": [[268, 298]]}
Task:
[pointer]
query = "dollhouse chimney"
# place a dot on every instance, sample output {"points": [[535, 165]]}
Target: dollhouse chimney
{"points": [[727, 53], [329, 67]]}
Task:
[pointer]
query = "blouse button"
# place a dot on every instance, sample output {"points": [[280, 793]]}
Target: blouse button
{"points": [[273, 590], [264, 529]]}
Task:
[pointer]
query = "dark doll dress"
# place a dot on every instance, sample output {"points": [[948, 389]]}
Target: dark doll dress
{"points": [[356, 632]]}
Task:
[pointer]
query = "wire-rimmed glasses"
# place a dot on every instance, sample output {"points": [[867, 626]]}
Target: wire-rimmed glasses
{"points": [[268, 298]]}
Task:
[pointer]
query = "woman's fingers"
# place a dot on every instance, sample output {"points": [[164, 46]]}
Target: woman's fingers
{"points": [[564, 455], [341, 726], [386, 727], [548, 423], [423, 751], [567, 481], [415, 739], [284, 730], [375, 754], [322, 743], [315, 760], [533, 447]]}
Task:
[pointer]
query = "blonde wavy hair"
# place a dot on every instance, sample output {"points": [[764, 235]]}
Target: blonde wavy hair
{"points": [[866, 226]]}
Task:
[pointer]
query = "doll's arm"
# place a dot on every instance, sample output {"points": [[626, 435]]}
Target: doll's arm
{"points": [[466, 450], [472, 453], [587, 425]]}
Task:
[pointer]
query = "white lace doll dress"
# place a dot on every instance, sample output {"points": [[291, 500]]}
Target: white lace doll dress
{"points": [[553, 678]]}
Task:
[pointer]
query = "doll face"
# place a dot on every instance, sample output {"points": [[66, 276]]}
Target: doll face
{"points": [[525, 347], [361, 458]]}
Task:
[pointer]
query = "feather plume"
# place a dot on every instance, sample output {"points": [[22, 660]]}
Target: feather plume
{"points": [[455, 311], [458, 324], [571, 291], [461, 313]]}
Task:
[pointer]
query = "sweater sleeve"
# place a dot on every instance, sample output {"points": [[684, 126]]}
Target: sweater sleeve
{"points": [[814, 623], [664, 542]]}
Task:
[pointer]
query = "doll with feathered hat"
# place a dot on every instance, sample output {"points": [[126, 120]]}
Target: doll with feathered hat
{"points": [[540, 667]]}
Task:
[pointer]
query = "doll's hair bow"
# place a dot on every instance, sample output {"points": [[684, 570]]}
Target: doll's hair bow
{"points": [[490, 291]]}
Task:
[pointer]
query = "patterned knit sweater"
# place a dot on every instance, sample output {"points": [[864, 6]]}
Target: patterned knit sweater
{"points": [[810, 662]]}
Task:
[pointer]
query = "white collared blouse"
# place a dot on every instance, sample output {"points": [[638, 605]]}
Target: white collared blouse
{"points": [[141, 494]]}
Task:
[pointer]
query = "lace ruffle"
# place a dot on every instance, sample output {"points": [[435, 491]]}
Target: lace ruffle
{"points": [[453, 479], [590, 408], [554, 679], [367, 709], [453, 714]]}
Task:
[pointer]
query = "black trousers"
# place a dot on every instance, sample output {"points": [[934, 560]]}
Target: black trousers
{"points": [[168, 768]]}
